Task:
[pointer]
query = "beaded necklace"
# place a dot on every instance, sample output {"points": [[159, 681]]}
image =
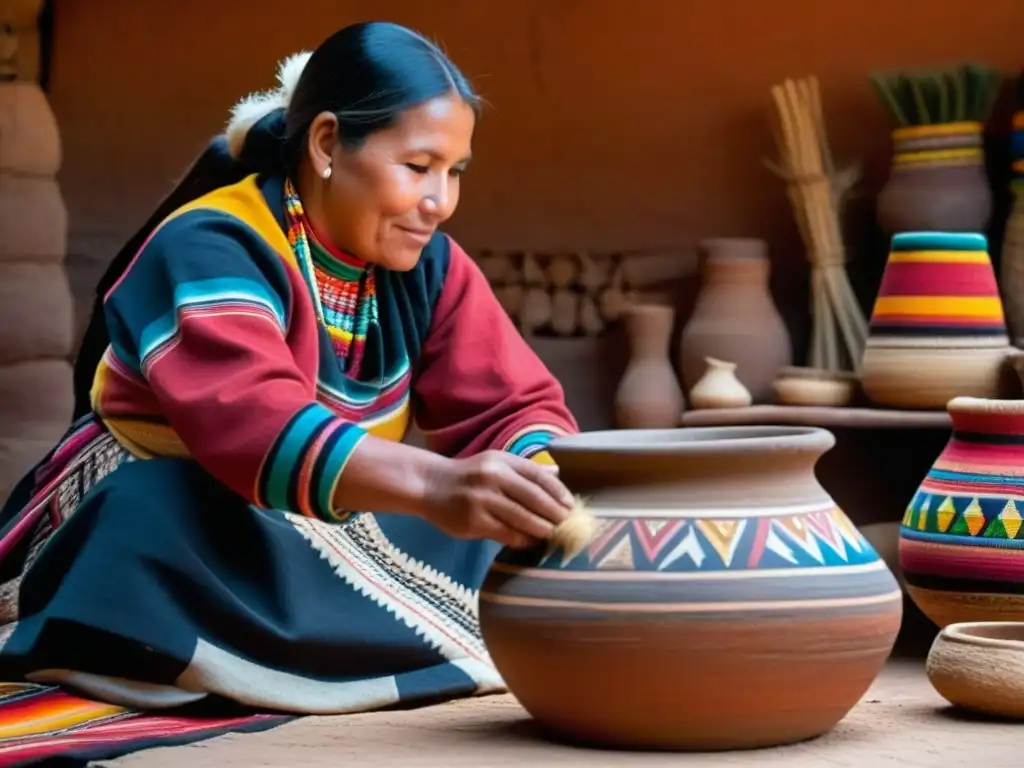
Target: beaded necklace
{"points": [[346, 301]]}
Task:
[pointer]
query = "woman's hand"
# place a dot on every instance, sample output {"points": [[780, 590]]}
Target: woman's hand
{"points": [[498, 496]]}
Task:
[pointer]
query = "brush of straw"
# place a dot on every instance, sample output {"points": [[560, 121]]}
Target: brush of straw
{"points": [[816, 192], [575, 532]]}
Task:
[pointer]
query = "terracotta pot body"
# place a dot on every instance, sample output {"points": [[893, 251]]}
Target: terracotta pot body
{"points": [[960, 542], [1011, 266], [937, 181], [724, 601], [649, 396], [735, 319], [937, 329]]}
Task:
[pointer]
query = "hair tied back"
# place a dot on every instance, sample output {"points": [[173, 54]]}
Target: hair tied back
{"points": [[257, 106]]}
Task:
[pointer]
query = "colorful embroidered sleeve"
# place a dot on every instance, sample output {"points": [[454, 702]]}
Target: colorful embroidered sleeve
{"points": [[201, 317], [479, 384]]}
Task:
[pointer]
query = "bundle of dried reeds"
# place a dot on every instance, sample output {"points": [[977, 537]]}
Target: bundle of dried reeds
{"points": [[816, 192]]}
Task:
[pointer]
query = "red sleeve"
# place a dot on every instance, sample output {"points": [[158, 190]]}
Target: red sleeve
{"points": [[201, 318], [479, 385]]}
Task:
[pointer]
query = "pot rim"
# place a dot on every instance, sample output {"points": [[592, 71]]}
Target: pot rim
{"points": [[733, 250], [935, 240], [967, 633], [650, 309], [982, 405], [718, 364], [688, 441], [809, 373], [935, 130], [738, 241]]}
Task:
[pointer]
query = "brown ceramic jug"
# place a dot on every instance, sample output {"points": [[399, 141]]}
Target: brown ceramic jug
{"points": [[735, 319], [649, 396]]}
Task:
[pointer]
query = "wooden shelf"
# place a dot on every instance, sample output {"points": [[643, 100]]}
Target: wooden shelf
{"points": [[814, 416]]}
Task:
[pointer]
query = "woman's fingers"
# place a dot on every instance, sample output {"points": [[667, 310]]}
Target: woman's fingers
{"points": [[536, 511], [505, 505], [545, 476], [490, 527]]}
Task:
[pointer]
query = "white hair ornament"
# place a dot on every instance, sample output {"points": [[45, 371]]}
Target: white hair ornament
{"points": [[254, 107]]}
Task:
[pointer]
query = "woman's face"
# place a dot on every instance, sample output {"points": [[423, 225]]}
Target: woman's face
{"points": [[383, 201]]}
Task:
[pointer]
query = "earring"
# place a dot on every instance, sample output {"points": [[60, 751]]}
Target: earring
{"points": [[327, 172]]}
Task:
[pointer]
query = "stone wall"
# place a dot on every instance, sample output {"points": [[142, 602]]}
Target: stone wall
{"points": [[36, 306]]}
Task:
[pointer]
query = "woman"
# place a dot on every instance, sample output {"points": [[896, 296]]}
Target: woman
{"points": [[257, 353]]}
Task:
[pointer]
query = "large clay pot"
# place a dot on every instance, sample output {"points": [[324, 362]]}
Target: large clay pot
{"points": [[962, 538], [937, 181], [648, 396], [937, 329], [724, 601], [735, 319]]}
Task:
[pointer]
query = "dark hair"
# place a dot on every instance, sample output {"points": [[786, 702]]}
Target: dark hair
{"points": [[366, 74]]}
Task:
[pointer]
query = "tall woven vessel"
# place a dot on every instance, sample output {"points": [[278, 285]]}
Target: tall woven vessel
{"points": [[937, 329]]}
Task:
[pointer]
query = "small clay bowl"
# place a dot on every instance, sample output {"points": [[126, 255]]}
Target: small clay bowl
{"points": [[980, 666], [814, 386]]}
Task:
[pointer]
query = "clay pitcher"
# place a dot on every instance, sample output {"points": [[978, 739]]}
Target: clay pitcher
{"points": [[937, 181], [735, 319], [649, 396]]}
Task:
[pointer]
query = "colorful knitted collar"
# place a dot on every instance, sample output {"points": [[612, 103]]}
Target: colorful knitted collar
{"points": [[344, 291], [332, 260], [311, 253]]}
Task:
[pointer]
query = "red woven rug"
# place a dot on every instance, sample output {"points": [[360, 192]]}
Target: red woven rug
{"points": [[40, 723]]}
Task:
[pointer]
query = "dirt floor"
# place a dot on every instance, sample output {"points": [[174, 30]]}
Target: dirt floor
{"points": [[901, 722]]}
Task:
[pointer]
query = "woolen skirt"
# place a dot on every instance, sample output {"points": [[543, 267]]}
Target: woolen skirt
{"points": [[147, 583]]}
